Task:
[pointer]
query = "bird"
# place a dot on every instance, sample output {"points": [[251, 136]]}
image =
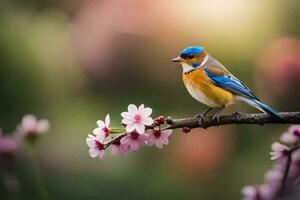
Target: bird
{"points": [[211, 83]]}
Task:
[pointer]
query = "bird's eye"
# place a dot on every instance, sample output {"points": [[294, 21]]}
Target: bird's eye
{"points": [[190, 56]]}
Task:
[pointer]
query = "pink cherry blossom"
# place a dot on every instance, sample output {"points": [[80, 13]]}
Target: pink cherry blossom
{"points": [[8, 144], [273, 176], [31, 126], [258, 192], [267, 191], [279, 151], [118, 149], [137, 118], [133, 140], [159, 120], [96, 145], [250, 192], [159, 138], [292, 135], [103, 127]]}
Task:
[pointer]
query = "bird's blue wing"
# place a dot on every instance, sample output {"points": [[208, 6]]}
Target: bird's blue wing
{"points": [[229, 82]]}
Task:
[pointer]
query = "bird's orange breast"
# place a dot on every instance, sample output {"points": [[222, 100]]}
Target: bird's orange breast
{"points": [[200, 82]]}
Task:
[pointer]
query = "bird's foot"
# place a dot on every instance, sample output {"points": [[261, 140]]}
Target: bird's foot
{"points": [[200, 118], [216, 117]]}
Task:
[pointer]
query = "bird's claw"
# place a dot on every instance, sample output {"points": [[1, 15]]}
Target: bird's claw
{"points": [[200, 118], [216, 118]]}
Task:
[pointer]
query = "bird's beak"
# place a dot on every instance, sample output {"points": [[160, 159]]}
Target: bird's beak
{"points": [[178, 59]]}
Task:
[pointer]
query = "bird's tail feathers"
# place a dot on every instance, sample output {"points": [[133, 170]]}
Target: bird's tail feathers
{"points": [[261, 106]]}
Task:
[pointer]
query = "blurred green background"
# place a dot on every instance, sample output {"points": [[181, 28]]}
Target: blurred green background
{"points": [[73, 61]]}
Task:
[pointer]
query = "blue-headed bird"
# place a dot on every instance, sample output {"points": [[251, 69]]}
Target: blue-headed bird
{"points": [[210, 83]]}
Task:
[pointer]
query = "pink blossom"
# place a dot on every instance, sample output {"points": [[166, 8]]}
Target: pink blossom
{"points": [[103, 127], [133, 140], [292, 135], [118, 149], [250, 192], [267, 191], [137, 118], [8, 144], [186, 129], [279, 151], [96, 145], [159, 120], [159, 138], [30, 125], [296, 156], [258, 192], [273, 176]]}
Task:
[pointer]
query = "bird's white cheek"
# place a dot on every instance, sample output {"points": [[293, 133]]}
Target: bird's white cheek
{"points": [[186, 68]]}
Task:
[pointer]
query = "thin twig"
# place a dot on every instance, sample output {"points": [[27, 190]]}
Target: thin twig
{"points": [[118, 138], [288, 165]]}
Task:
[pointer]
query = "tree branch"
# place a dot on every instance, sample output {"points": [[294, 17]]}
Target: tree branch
{"points": [[236, 118]]}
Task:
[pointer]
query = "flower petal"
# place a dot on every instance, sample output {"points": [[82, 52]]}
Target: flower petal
{"points": [[276, 146], [166, 133], [100, 123], [97, 131], [288, 138], [127, 115], [123, 149], [100, 137], [132, 108], [29, 122], [90, 142], [93, 152], [164, 140], [147, 112], [107, 121], [148, 121], [159, 144], [130, 127], [42, 126], [126, 121], [134, 146], [249, 190], [141, 108], [150, 140], [126, 140], [114, 150], [101, 154], [143, 137], [140, 128]]}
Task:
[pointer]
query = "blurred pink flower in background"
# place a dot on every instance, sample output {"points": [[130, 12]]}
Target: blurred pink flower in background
{"points": [[250, 192], [278, 151], [158, 137], [8, 144], [258, 192], [279, 70], [292, 135], [97, 25], [31, 126]]}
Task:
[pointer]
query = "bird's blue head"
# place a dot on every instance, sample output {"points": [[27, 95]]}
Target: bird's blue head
{"points": [[192, 56]]}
